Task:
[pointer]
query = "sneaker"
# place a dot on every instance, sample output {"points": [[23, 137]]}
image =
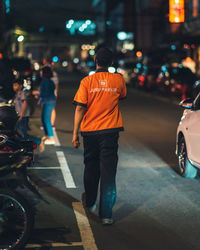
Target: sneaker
{"points": [[93, 208], [41, 146], [107, 221], [49, 142]]}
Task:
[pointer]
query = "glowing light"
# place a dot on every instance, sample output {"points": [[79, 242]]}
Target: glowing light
{"points": [[41, 29], [111, 69], [128, 46], [91, 73], [139, 65], [122, 35], [76, 60], [121, 71], [64, 63], [1, 55], [139, 54], [20, 38], [123, 51], [88, 22], [71, 21], [83, 27], [176, 19], [83, 47], [136, 70], [186, 46], [92, 52], [36, 66], [55, 59], [7, 5], [87, 47], [68, 26], [173, 47], [176, 11]]}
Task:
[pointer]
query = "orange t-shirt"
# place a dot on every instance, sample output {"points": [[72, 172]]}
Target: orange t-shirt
{"points": [[100, 94]]}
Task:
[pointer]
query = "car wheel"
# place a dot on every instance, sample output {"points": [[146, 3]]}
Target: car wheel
{"points": [[185, 167]]}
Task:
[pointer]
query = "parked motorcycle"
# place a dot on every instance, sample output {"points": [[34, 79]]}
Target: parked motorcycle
{"points": [[16, 154], [16, 213]]}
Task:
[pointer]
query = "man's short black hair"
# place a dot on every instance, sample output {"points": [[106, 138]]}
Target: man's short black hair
{"points": [[104, 57], [47, 72]]}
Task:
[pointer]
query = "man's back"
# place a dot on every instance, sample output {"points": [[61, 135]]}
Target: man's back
{"points": [[100, 93]]}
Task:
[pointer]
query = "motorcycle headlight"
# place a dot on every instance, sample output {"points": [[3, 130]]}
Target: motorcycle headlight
{"points": [[197, 84]]}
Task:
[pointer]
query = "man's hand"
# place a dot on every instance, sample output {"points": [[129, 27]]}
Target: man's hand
{"points": [[20, 117], [75, 141]]}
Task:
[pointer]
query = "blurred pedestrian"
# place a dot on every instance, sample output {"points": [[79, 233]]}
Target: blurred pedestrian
{"points": [[55, 80], [23, 110], [48, 101], [97, 112]]}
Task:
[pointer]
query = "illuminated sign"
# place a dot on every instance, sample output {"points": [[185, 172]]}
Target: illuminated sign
{"points": [[176, 11], [81, 27], [7, 4]]}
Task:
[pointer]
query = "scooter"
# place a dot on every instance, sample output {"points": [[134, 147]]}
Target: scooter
{"points": [[16, 154], [16, 212]]}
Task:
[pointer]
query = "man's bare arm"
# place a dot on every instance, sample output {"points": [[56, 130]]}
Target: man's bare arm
{"points": [[79, 113]]}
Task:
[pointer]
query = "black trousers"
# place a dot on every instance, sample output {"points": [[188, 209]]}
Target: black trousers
{"points": [[100, 159]]}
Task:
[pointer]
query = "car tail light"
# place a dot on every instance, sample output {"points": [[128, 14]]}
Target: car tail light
{"points": [[141, 78], [141, 83], [34, 145], [158, 79], [178, 86], [173, 89], [6, 149]]}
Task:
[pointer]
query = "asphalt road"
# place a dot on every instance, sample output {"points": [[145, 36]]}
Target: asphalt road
{"points": [[155, 209]]}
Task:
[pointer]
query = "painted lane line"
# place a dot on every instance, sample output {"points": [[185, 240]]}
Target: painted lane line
{"points": [[35, 168], [57, 244], [57, 142], [69, 182], [84, 227]]}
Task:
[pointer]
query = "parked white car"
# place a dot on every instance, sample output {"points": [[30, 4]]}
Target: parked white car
{"points": [[188, 138]]}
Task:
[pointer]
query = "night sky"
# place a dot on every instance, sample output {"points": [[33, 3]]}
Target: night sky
{"points": [[52, 14]]}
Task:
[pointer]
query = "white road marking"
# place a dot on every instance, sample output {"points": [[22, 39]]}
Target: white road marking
{"points": [[152, 165], [57, 142], [57, 244], [35, 168], [69, 182], [84, 227]]}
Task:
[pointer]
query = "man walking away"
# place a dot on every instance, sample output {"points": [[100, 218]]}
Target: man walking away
{"points": [[97, 113]]}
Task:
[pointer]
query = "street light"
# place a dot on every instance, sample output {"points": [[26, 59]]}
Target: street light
{"points": [[20, 38], [122, 35]]}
